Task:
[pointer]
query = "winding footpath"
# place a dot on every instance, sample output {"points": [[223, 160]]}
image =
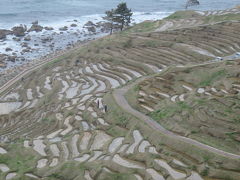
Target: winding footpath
{"points": [[119, 97], [122, 102]]}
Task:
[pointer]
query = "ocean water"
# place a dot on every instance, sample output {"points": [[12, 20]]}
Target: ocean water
{"points": [[49, 12]]}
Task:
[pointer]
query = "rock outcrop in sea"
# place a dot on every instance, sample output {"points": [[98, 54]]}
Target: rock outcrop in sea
{"points": [[35, 27], [19, 31]]}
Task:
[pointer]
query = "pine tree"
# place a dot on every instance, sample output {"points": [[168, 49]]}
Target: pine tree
{"points": [[123, 14], [119, 17], [191, 3]]}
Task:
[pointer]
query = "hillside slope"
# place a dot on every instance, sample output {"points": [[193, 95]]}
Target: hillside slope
{"points": [[53, 124], [200, 102]]}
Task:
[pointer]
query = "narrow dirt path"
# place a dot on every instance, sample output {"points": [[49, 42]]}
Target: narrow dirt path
{"points": [[118, 95]]}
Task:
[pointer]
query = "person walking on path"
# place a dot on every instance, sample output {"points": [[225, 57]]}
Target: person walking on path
{"points": [[98, 103], [105, 108]]}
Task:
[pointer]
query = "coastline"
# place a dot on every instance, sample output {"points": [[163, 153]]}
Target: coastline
{"points": [[23, 42], [9, 76], [67, 39], [105, 99]]}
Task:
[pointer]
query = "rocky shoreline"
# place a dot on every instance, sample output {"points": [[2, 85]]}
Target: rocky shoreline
{"points": [[23, 46], [22, 43], [29, 46], [9, 73]]}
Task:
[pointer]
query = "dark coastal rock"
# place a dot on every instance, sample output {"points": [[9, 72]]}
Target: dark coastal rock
{"points": [[48, 28], [28, 38], [24, 44], [35, 22], [26, 50], [75, 20], [47, 39], [19, 31], [16, 39], [73, 25], [91, 29], [100, 24], [8, 49], [89, 23], [36, 28], [65, 28], [12, 58], [4, 33], [104, 26]]}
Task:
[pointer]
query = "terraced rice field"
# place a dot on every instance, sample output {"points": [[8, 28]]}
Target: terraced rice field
{"points": [[184, 19], [54, 121], [194, 104], [61, 118]]}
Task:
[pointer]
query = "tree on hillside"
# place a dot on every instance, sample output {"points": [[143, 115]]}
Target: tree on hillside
{"points": [[110, 18], [119, 17], [123, 15], [191, 3]]}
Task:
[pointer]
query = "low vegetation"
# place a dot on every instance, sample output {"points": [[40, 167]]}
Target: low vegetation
{"points": [[196, 104], [58, 126]]}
